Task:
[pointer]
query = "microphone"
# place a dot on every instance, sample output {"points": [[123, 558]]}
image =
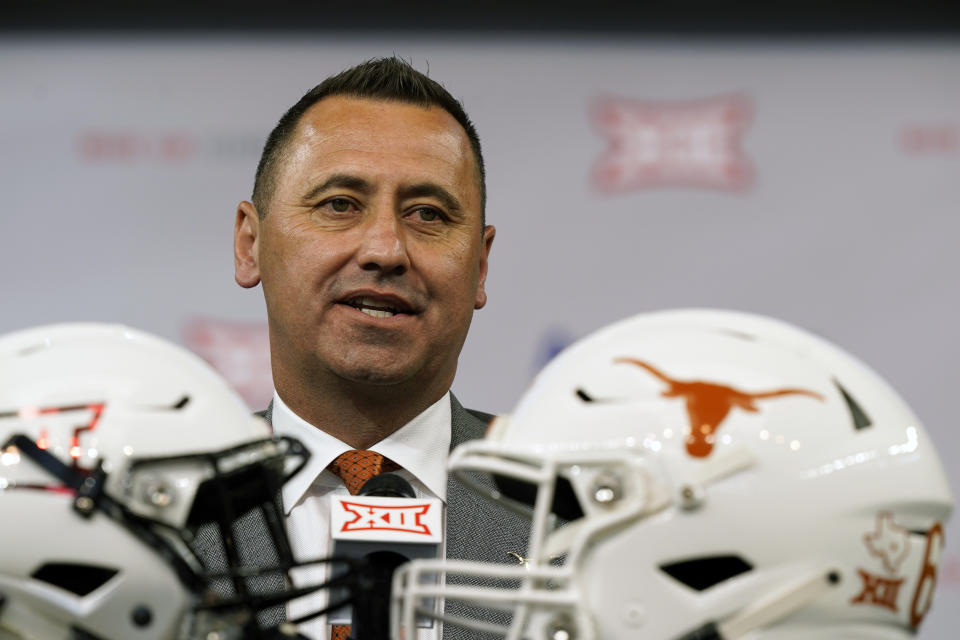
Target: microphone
{"points": [[384, 525], [371, 609], [387, 485]]}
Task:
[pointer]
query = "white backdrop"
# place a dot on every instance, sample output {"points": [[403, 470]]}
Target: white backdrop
{"points": [[814, 182]]}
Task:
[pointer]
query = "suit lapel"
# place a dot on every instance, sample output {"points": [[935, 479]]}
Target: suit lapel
{"points": [[478, 529], [267, 414]]}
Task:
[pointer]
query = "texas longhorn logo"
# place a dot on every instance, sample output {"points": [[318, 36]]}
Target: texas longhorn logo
{"points": [[688, 144], [367, 517], [708, 404]]}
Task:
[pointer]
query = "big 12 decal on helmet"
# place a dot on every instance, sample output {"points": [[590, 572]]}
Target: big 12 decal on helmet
{"points": [[703, 475]]}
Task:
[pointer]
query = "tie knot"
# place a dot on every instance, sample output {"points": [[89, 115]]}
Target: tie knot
{"points": [[357, 466]]}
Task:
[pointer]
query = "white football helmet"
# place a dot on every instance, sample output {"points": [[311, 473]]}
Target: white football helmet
{"points": [[125, 462], [721, 475]]}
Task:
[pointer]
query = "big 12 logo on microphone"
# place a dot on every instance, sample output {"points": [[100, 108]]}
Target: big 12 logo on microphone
{"points": [[383, 519]]}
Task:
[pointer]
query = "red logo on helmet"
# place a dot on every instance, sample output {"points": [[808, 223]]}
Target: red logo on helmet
{"points": [[709, 403], [878, 591], [45, 413], [890, 543], [383, 518]]}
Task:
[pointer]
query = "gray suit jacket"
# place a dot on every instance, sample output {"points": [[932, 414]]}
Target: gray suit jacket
{"points": [[476, 528]]}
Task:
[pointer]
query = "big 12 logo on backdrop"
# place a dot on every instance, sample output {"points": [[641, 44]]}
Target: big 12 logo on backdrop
{"points": [[694, 143]]}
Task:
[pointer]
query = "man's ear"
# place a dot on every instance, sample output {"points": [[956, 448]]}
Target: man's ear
{"points": [[488, 233], [246, 245]]}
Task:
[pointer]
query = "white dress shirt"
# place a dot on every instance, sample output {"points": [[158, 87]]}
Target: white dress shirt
{"points": [[420, 447]]}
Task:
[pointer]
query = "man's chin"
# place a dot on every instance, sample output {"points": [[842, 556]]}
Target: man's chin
{"points": [[403, 366], [409, 380], [377, 377], [377, 371]]}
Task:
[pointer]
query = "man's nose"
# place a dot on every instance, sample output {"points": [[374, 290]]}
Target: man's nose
{"points": [[383, 244]]}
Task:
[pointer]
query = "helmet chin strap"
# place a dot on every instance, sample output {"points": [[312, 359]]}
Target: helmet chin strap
{"points": [[775, 606]]}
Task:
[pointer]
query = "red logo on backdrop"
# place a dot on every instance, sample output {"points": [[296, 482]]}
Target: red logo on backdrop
{"points": [[239, 351], [673, 144], [951, 572], [930, 139], [378, 518], [708, 404], [118, 146], [110, 147]]}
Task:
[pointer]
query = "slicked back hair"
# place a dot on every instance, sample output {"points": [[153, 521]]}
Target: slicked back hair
{"points": [[390, 79]]}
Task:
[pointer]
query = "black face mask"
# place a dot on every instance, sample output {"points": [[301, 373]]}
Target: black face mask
{"points": [[234, 532]]}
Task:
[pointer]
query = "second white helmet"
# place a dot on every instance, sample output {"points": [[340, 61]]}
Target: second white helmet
{"points": [[720, 476]]}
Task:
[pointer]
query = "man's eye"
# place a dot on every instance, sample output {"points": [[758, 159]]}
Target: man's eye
{"points": [[428, 215], [339, 205]]}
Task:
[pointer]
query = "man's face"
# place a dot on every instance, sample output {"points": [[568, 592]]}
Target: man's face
{"points": [[372, 255]]}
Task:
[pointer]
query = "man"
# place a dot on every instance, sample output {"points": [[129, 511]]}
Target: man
{"points": [[367, 232]]}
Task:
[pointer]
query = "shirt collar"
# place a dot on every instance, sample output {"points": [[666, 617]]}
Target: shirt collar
{"points": [[421, 447]]}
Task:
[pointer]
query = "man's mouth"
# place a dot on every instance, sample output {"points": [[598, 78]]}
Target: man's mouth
{"points": [[378, 308]]}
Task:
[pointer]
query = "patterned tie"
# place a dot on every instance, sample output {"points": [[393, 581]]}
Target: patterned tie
{"points": [[359, 465], [355, 467]]}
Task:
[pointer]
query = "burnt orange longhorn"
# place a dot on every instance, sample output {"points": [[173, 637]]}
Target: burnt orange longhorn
{"points": [[708, 404]]}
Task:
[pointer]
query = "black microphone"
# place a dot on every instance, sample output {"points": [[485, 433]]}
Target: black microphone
{"points": [[387, 485], [371, 609], [383, 526]]}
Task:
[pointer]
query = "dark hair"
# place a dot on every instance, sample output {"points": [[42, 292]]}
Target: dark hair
{"points": [[389, 79]]}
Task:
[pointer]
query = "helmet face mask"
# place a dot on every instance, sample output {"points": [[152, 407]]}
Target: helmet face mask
{"points": [[735, 475], [127, 468]]}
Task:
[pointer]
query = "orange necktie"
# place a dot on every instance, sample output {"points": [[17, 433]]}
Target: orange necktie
{"points": [[355, 467]]}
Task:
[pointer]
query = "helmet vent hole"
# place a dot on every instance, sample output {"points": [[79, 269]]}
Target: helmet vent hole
{"points": [[78, 579], [860, 418], [583, 395], [702, 573]]}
